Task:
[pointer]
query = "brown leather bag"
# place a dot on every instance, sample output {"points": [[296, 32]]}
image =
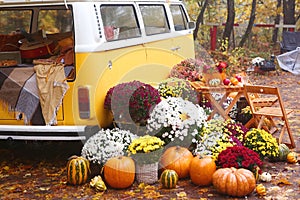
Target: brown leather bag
{"points": [[66, 55]]}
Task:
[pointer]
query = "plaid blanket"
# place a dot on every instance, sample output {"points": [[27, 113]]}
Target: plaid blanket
{"points": [[19, 91]]}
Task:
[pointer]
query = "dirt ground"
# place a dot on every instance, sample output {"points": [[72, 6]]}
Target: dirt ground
{"points": [[36, 170]]}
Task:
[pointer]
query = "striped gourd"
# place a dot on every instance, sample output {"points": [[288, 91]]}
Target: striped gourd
{"points": [[78, 170], [283, 151], [169, 178]]}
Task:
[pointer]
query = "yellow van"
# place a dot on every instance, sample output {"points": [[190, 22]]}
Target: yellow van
{"points": [[58, 59]]}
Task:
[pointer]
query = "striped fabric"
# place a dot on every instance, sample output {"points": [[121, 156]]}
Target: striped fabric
{"points": [[18, 90]]}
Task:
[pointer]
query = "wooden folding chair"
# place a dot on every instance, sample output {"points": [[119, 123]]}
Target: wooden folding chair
{"points": [[260, 101], [270, 112]]}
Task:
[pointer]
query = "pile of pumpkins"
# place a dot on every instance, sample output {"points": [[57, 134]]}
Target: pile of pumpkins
{"points": [[176, 163]]}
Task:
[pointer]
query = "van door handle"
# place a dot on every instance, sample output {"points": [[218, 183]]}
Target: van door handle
{"points": [[175, 48]]}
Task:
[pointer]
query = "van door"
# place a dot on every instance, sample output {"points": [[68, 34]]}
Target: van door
{"points": [[184, 40], [168, 46]]}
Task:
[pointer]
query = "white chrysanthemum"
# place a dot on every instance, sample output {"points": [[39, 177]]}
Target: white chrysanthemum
{"points": [[176, 118], [107, 144]]}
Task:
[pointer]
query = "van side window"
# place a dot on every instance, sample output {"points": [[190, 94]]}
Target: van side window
{"points": [[57, 26], [11, 24], [55, 21], [120, 22], [12, 21], [179, 17], [155, 19]]}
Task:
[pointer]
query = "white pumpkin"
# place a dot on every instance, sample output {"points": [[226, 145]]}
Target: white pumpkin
{"points": [[214, 82], [265, 176]]}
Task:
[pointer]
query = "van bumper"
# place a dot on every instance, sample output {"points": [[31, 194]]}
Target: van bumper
{"points": [[47, 133]]}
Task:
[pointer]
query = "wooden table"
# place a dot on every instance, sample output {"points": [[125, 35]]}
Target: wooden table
{"points": [[233, 91]]}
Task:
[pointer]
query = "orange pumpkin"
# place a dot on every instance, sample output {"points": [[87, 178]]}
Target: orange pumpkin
{"points": [[234, 182], [202, 170], [119, 172], [178, 159], [292, 157]]}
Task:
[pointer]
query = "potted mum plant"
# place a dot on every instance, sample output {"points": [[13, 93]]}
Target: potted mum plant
{"points": [[146, 151], [236, 131], [262, 143], [219, 135], [131, 103], [240, 157], [212, 140], [105, 144], [189, 69], [176, 121], [175, 87]]}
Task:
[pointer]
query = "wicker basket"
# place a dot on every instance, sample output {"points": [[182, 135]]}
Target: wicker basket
{"points": [[147, 173]]}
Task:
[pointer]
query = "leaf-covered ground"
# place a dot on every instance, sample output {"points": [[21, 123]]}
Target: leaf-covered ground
{"points": [[36, 170]]}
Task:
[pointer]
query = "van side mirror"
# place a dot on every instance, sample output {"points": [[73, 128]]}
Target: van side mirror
{"points": [[191, 25]]}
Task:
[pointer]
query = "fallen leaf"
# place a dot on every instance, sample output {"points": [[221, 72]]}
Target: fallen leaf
{"points": [[283, 181], [130, 193], [3, 176], [202, 190], [181, 195], [27, 175], [142, 186], [44, 188]]}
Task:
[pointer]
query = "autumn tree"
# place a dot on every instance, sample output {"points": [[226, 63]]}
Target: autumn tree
{"points": [[229, 21], [276, 21], [289, 12], [250, 24], [200, 17]]}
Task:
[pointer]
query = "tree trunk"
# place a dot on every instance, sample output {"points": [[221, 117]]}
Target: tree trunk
{"points": [[229, 21], [289, 12], [277, 21], [200, 19], [250, 24]]}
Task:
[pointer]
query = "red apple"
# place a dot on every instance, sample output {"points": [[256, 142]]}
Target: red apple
{"points": [[222, 65], [226, 81], [239, 78]]}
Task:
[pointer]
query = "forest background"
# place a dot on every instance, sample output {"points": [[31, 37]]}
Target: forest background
{"points": [[243, 27]]}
